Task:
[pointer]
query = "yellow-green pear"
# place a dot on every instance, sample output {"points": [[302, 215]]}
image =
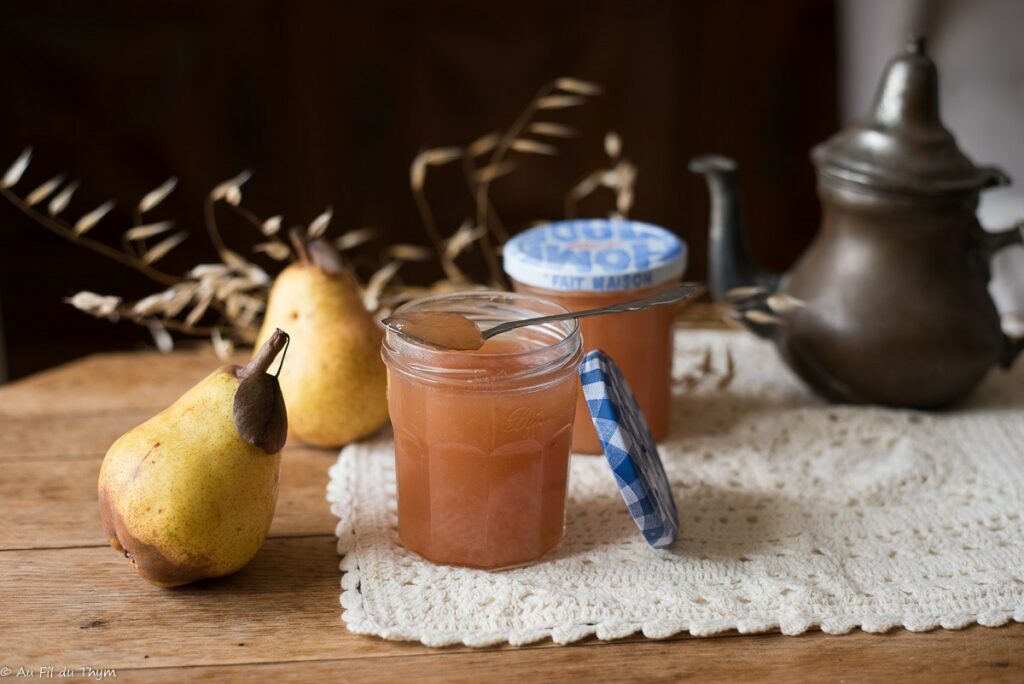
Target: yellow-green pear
{"points": [[335, 382], [191, 492]]}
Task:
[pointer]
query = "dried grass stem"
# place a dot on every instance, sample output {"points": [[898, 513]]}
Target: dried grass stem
{"points": [[56, 225]]}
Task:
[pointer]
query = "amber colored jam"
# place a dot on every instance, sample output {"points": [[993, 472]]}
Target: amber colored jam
{"points": [[639, 341], [482, 438]]}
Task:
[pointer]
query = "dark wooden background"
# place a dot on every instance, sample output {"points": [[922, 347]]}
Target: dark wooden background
{"points": [[328, 102]]}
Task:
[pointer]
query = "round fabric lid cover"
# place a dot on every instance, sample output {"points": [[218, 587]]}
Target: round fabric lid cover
{"points": [[630, 449], [595, 255]]}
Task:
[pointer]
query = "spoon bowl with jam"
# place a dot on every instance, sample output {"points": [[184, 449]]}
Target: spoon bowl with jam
{"points": [[456, 332]]}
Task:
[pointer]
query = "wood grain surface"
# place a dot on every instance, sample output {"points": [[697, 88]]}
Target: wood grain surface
{"points": [[69, 600]]}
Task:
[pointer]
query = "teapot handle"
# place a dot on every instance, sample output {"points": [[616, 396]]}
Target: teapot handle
{"points": [[991, 243], [1012, 347]]}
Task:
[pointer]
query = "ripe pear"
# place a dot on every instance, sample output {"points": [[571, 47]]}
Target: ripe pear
{"points": [[335, 381], [191, 492]]}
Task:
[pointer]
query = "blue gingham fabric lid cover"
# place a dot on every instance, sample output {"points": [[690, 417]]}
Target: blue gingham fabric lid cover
{"points": [[630, 449], [595, 255]]}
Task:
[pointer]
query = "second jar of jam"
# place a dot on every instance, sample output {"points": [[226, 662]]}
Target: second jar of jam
{"points": [[590, 263]]}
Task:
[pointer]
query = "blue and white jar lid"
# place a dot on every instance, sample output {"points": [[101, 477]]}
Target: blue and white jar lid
{"points": [[595, 255], [630, 449]]}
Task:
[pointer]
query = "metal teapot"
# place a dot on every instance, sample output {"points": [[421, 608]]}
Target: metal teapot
{"points": [[895, 308]]}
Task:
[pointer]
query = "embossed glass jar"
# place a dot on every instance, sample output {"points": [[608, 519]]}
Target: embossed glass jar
{"points": [[482, 438]]}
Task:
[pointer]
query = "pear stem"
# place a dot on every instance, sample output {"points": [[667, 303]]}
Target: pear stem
{"points": [[266, 355], [284, 353], [298, 239]]}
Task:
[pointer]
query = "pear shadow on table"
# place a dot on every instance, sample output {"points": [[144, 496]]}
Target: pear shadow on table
{"points": [[282, 563]]}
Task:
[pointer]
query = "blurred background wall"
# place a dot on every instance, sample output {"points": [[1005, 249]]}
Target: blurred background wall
{"points": [[328, 102]]}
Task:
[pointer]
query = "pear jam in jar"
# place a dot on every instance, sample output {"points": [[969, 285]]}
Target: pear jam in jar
{"points": [[482, 437], [597, 262]]}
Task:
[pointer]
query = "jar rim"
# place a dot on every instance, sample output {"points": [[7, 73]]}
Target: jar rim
{"points": [[422, 361]]}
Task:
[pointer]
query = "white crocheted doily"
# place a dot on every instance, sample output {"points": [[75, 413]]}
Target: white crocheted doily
{"points": [[793, 514]]}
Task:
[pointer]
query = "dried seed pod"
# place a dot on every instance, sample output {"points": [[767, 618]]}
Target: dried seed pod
{"points": [[161, 338], [222, 346], [559, 101], [182, 295], [761, 317], [405, 252], [466, 235], [152, 304], [378, 281], [17, 169], [45, 190], [89, 221], [232, 186], [354, 238], [440, 156], [157, 195], [532, 147], [483, 144], [318, 226], [147, 231], [551, 129], [783, 303], [272, 225], [98, 305], [275, 249], [198, 310], [612, 144], [746, 292], [577, 86], [203, 271], [160, 249], [61, 200]]}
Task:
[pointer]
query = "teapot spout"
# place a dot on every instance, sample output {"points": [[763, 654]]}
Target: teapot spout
{"points": [[1012, 347], [730, 265]]}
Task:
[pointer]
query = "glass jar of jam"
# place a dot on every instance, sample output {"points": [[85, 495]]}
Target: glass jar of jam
{"points": [[482, 438], [591, 263]]}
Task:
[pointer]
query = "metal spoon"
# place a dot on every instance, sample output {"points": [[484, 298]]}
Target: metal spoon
{"points": [[420, 325]]}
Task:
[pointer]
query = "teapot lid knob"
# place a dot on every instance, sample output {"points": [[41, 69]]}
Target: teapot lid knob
{"points": [[901, 143]]}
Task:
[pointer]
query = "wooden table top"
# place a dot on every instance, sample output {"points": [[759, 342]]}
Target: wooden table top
{"points": [[68, 600]]}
